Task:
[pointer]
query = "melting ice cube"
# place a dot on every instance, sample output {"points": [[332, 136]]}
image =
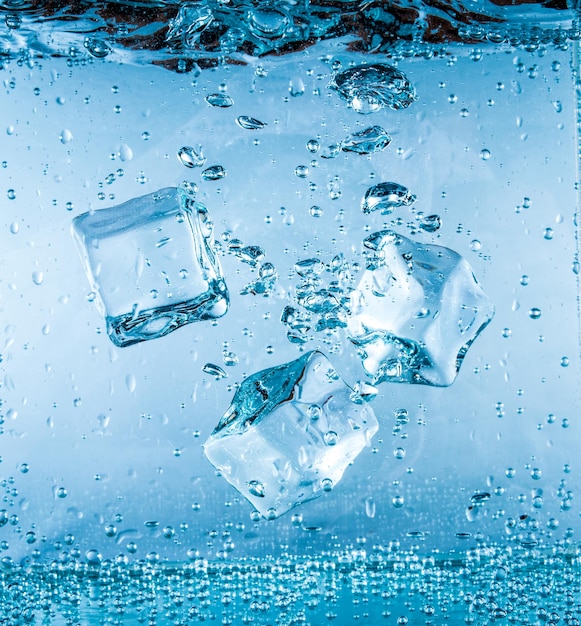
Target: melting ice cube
{"points": [[289, 434], [416, 311], [151, 262], [370, 88]]}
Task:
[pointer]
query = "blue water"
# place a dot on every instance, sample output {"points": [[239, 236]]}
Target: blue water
{"points": [[463, 508]]}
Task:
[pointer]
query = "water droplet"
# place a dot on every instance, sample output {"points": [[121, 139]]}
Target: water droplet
{"points": [[386, 197], [565, 362], [191, 157], [430, 223], [368, 141], [214, 370], [302, 171], [230, 359], [14, 228], [485, 154], [397, 501], [93, 557], [96, 47], [296, 87], [125, 152], [215, 172], [330, 438], [535, 313], [399, 453], [475, 245], [65, 136], [370, 507], [268, 23], [130, 383], [548, 234], [11, 194], [270, 514], [314, 412], [220, 100], [316, 211], [256, 488], [536, 473], [313, 145], [61, 492], [37, 278], [327, 484], [370, 88], [331, 151], [249, 123]]}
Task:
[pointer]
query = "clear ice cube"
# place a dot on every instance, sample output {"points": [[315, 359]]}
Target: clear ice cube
{"points": [[416, 311], [289, 434], [151, 263]]}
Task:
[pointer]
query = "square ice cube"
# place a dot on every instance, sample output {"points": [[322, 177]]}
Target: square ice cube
{"points": [[151, 264], [416, 311], [289, 434]]}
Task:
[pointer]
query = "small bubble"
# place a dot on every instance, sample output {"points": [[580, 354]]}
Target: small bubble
{"points": [[215, 172], [524, 280], [145, 135], [330, 438], [510, 472], [302, 171], [565, 362], [313, 145], [249, 123], [65, 136], [485, 154], [506, 333], [316, 211], [220, 100], [11, 194], [548, 234], [535, 313], [399, 453], [475, 245], [536, 473], [37, 278], [191, 157], [397, 501], [61, 492], [327, 484]]}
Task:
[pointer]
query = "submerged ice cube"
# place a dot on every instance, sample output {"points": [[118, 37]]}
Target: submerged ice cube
{"points": [[289, 434], [416, 311], [151, 263]]}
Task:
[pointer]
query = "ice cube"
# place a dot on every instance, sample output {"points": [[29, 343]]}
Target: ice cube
{"points": [[416, 311], [289, 434], [151, 263]]}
